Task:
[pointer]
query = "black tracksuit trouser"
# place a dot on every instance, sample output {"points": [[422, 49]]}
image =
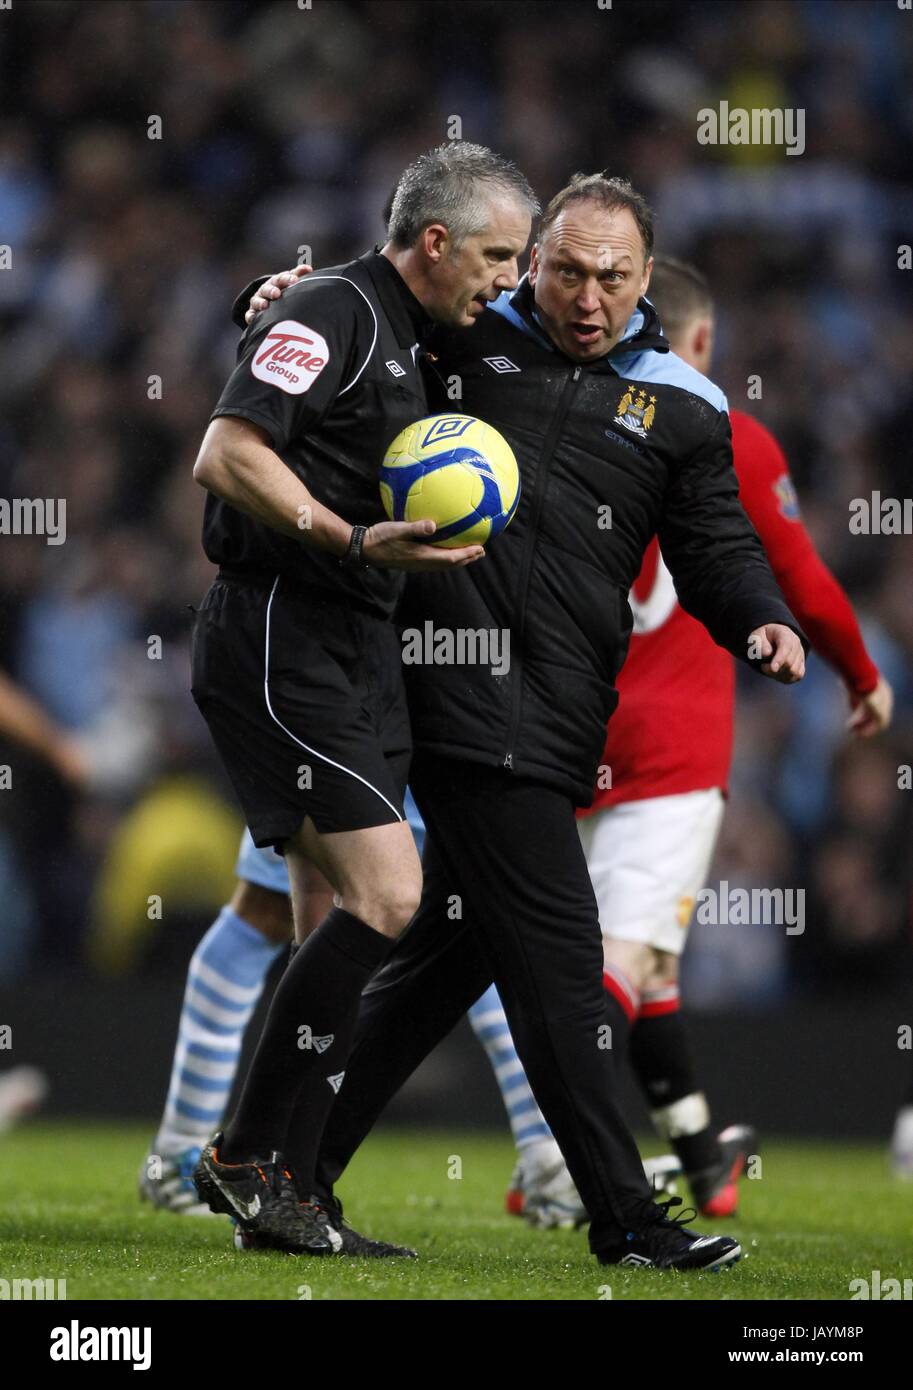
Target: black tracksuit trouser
{"points": [[506, 898]]}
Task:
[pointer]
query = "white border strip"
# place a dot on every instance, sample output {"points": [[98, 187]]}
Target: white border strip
{"points": [[305, 746], [311, 279]]}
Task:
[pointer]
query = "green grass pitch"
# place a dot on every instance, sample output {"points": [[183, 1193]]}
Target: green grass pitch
{"points": [[818, 1216]]}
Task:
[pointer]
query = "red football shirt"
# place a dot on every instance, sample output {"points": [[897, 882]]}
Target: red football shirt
{"points": [[672, 730]]}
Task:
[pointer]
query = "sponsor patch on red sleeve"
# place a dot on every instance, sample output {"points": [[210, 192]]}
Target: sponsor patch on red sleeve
{"points": [[787, 497], [291, 356]]}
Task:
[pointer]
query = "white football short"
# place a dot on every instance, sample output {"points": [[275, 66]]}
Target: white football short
{"points": [[648, 860]]}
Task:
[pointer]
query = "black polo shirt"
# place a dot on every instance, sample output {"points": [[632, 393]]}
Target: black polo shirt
{"points": [[330, 371]]}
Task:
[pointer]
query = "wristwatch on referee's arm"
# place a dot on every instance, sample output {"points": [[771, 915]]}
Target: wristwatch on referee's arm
{"points": [[353, 558]]}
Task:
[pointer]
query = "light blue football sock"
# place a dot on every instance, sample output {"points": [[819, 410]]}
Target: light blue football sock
{"points": [[489, 1021], [226, 977]]}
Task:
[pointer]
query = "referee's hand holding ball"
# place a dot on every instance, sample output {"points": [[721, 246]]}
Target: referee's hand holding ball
{"points": [[398, 545]]}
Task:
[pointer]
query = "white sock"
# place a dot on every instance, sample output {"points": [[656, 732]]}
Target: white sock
{"points": [[224, 982]]}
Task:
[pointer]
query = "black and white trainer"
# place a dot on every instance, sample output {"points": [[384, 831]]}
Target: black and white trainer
{"points": [[666, 1243], [260, 1196], [327, 1213], [354, 1243]]}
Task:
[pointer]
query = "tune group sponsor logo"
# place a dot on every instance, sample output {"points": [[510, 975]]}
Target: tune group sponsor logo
{"points": [[291, 356]]}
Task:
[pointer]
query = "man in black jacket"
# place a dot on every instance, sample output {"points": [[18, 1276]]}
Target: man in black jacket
{"points": [[617, 439]]}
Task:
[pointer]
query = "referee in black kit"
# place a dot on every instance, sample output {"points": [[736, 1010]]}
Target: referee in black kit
{"points": [[296, 666]]}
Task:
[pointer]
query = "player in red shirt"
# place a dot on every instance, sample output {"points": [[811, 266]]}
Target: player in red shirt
{"points": [[650, 835]]}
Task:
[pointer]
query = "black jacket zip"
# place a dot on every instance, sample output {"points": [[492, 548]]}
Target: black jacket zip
{"points": [[519, 623]]}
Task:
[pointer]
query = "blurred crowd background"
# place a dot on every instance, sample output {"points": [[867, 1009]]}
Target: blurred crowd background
{"points": [[284, 126]]}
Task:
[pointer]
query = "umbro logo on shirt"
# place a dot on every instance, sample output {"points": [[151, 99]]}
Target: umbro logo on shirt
{"points": [[501, 364], [394, 368]]}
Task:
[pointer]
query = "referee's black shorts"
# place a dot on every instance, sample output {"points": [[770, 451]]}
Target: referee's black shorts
{"points": [[303, 694]]}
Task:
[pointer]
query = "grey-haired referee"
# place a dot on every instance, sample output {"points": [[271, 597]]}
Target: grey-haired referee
{"points": [[296, 666]]}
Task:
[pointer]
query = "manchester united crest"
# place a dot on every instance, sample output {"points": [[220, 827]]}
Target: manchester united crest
{"points": [[636, 410]]}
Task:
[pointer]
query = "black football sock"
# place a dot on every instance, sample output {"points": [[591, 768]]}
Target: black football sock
{"points": [[622, 1002], [301, 1056], [661, 1058]]}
